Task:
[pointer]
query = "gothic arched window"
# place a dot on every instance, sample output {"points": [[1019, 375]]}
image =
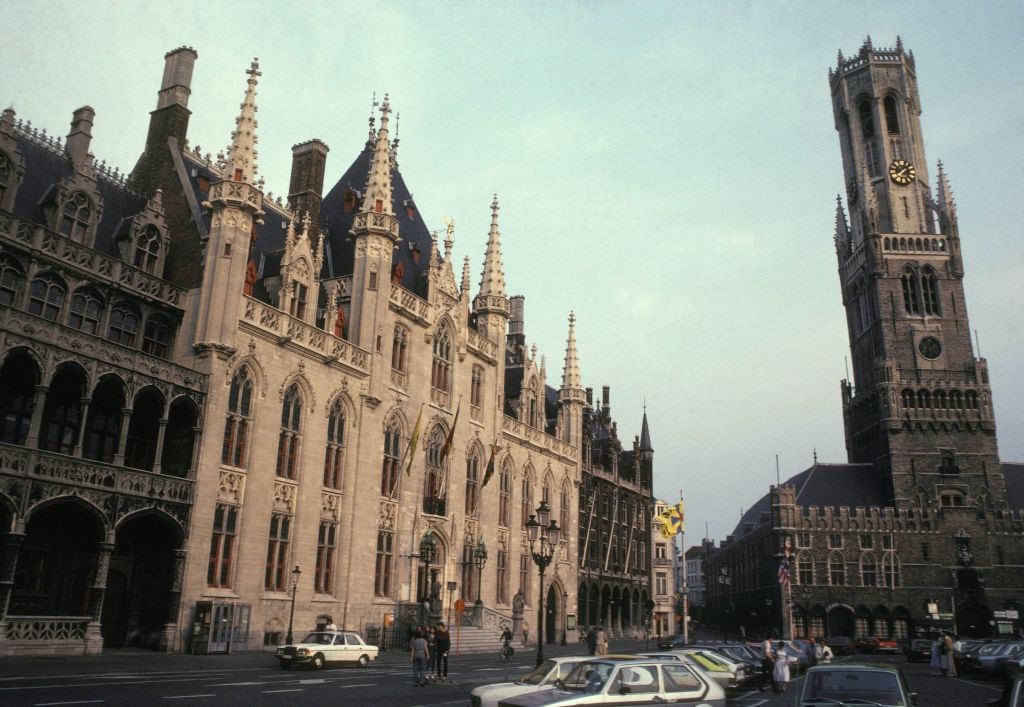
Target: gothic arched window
{"points": [[433, 494], [156, 337], [10, 281], [910, 299], [930, 292], [392, 455], [5, 175], [891, 570], [46, 297], [291, 433], [868, 570], [86, 307], [239, 418], [399, 349], [124, 325], [527, 499], [76, 216], [908, 398], [472, 483], [18, 377], [867, 121], [892, 121], [504, 495], [62, 412], [836, 569], [103, 426], [147, 249], [440, 374], [334, 456]]}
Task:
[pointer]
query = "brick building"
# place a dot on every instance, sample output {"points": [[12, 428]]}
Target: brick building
{"points": [[922, 524]]}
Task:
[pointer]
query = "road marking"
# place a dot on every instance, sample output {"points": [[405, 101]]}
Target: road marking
{"points": [[77, 702], [96, 684], [185, 697], [979, 684], [238, 684], [367, 684], [755, 704], [270, 692]]}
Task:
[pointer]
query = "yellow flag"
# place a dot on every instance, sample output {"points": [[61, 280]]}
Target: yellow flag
{"points": [[411, 451]]}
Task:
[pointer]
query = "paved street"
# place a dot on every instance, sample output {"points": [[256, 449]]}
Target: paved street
{"points": [[132, 678]]}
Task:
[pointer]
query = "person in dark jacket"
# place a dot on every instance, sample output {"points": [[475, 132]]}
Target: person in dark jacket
{"points": [[592, 641], [442, 644]]}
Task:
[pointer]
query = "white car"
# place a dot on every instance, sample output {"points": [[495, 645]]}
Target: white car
{"points": [[544, 676], [322, 647]]}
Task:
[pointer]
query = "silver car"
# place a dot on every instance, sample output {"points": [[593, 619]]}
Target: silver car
{"points": [[543, 677]]}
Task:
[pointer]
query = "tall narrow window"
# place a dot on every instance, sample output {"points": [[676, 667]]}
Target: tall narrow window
{"points": [[527, 500], [236, 426], [910, 300], [501, 590], [392, 452], [440, 374], [147, 249], [399, 349], [433, 494], [62, 412], [930, 292], [76, 216], [472, 484], [563, 507], [288, 439], [156, 337], [836, 570], [334, 455], [10, 281], [86, 307], [124, 325], [382, 567], [103, 426], [891, 570], [867, 122], [275, 574], [46, 297], [892, 121], [326, 549], [504, 495], [300, 293], [476, 392], [868, 570], [18, 376], [222, 546], [805, 569], [524, 577]]}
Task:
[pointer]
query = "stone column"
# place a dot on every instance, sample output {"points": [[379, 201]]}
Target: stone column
{"points": [[93, 636], [174, 601], [197, 433], [12, 546], [82, 422], [32, 440], [122, 438], [161, 431]]}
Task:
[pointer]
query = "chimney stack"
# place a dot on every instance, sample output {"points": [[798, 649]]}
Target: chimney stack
{"points": [[605, 407], [590, 397], [80, 135], [305, 191], [177, 82], [516, 320]]}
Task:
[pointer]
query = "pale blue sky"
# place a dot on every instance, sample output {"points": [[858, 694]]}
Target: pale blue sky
{"points": [[667, 170]]}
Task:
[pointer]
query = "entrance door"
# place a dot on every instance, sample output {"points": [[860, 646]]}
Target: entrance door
{"points": [[551, 627], [220, 628], [840, 621]]}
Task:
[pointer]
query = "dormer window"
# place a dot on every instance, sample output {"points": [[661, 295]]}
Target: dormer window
{"points": [[147, 249], [298, 304], [76, 216]]}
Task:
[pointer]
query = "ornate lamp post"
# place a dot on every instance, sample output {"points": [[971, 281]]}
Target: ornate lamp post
{"points": [[480, 560], [428, 555], [543, 532], [291, 616]]}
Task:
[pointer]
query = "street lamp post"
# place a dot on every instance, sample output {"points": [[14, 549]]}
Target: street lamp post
{"points": [[428, 554], [479, 559], [291, 616], [543, 542]]}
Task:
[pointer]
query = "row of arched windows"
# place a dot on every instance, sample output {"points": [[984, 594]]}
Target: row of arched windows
{"points": [[920, 291], [927, 245], [925, 399], [872, 573], [87, 310], [101, 424]]}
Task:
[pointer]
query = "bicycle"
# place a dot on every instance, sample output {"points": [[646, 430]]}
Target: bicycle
{"points": [[506, 651]]}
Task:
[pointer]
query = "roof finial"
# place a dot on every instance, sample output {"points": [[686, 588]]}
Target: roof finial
{"points": [[449, 242], [241, 157], [377, 195], [571, 378], [492, 279], [394, 143], [899, 44], [464, 287], [373, 120]]}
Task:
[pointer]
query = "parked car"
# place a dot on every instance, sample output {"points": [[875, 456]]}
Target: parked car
{"points": [[671, 642], [847, 684], [875, 644], [543, 677], [736, 653], [987, 660], [840, 645], [322, 647], [1013, 693], [725, 672], [917, 649], [634, 682]]}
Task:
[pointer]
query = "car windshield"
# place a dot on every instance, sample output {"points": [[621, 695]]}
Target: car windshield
{"points": [[324, 639], [839, 686], [735, 653], [707, 662], [539, 673], [588, 677]]}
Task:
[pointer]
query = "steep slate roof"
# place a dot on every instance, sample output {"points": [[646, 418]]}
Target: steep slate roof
{"points": [[1013, 473], [824, 485]]}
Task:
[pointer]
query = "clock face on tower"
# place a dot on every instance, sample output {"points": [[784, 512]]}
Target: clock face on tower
{"points": [[930, 347], [902, 172]]}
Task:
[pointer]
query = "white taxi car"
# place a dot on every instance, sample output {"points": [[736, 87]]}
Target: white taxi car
{"points": [[542, 677], [322, 647]]}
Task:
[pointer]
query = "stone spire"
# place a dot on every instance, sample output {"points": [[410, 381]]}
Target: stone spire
{"points": [[377, 193], [241, 159], [492, 279], [464, 287], [571, 379], [645, 434], [842, 233], [947, 205]]}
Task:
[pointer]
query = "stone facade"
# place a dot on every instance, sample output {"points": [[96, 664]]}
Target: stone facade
{"points": [[922, 529]]}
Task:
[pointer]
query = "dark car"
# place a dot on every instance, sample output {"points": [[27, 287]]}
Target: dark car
{"points": [[1013, 693], [670, 643], [861, 684], [917, 649], [840, 645]]}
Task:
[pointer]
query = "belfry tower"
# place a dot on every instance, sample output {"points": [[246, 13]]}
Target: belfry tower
{"points": [[919, 407]]}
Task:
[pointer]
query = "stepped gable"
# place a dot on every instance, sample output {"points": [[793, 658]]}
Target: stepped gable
{"points": [[824, 485], [339, 208], [46, 168], [1013, 474]]}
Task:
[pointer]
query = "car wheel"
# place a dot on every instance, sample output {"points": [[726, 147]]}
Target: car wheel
{"points": [[318, 661], [363, 661]]}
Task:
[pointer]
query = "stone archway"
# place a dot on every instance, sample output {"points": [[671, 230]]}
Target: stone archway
{"points": [[840, 621], [973, 620]]}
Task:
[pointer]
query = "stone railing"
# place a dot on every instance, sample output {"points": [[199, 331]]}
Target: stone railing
{"points": [[411, 305], [537, 438], [485, 618], [483, 346], [47, 628], [288, 329], [98, 265]]}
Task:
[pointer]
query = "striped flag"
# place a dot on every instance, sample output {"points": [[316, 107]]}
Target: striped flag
{"points": [[410, 452], [784, 570]]}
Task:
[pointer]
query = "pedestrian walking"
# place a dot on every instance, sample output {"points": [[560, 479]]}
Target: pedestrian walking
{"points": [[431, 651], [442, 644], [936, 662], [602, 641], [781, 670], [420, 654], [592, 641], [946, 657]]}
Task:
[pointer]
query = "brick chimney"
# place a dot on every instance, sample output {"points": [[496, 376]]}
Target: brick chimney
{"points": [[80, 135], [305, 191]]}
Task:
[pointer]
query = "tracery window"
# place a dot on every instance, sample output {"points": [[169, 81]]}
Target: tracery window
{"points": [[867, 122], [504, 495], [124, 326], [236, 426], [930, 292], [291, 433], [433, 494], [440, 374], [526, 500], [86, 307], [910, 299], [334, 456], [399, 349], [892, 121], [222, 546], [392, 453], [836, 570], [278, 544], [76, 216], [156, 337], [476, 391], [147, 249], [472, 483], [46, 297], [10, 281]]}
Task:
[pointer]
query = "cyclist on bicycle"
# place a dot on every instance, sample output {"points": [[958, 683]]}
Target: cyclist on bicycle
{"points": [[506, 643]]}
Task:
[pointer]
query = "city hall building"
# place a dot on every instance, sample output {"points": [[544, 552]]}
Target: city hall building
{"points": [[921, 528]]}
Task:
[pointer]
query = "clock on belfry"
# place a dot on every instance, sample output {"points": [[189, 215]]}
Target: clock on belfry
{"points": [[902, 172], [930, 347]]}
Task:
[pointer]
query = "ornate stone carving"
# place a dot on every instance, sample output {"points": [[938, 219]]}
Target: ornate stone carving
{"points": [[388, 511], [231, 488], [330, 506], [284, 497]]}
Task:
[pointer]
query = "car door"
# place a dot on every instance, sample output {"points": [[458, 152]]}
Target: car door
{"points": [[680, 683], [635, 684]]}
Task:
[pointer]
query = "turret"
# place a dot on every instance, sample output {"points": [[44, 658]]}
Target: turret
{"points": [[235, 205], [306, 187], [492, 304], [571, 396], [645, 453]]}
